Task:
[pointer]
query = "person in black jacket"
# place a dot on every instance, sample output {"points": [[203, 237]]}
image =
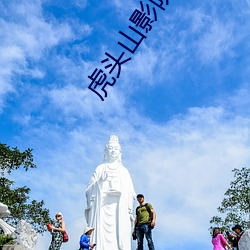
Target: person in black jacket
{"points": [[236, 237]]}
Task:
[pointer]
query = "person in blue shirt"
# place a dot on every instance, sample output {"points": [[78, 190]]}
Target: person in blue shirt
{"points": [[85, 239]]}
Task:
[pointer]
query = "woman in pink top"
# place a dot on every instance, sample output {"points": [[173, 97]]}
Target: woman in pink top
{"points": [[218, 240]]}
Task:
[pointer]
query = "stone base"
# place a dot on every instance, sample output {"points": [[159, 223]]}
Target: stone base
{"points": [[13, 247]]}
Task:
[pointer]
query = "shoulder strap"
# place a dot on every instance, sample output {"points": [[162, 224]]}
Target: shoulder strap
{"points": [[147, 207], [60, 223], [137, 210]]}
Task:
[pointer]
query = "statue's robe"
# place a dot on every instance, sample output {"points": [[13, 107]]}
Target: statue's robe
{"points": [[110, 197], [244, 242]]}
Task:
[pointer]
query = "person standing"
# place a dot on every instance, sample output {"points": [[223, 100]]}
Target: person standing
{"points": [[239, 231], [56, 231], [85, 239], [218, 240], [143, 225]]}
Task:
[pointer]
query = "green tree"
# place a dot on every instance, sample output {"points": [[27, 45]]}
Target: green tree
{"points": [[235, 207], [17, 199]]}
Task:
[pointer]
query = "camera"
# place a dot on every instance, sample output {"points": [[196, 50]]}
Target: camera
{"points": [[134, 235]]}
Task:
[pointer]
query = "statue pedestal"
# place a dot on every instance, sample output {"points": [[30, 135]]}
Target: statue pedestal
{"points": [[13, 247]]}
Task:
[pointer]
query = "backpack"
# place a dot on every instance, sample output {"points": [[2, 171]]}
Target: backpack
{"points": [[149, 212]]}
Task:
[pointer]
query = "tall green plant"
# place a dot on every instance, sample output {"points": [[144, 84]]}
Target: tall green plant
{"points": [[17, 198], [235, 207]]}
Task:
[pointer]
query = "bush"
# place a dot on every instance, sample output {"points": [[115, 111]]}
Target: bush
{"points": [[6, 240]]}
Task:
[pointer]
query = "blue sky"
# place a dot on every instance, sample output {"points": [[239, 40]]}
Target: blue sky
{"points": [[180, 106]]}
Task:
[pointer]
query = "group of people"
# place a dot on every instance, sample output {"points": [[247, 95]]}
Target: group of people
{"points": [[57, 236], [144, 223], [219, 241]]}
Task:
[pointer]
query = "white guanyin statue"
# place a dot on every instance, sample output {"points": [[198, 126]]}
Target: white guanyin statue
{"points": [[4, 212], [23, 234], [110, 198], [244, 242]]}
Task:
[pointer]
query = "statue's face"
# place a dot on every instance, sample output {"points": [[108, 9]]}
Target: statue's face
{"points": [[114, 150]]}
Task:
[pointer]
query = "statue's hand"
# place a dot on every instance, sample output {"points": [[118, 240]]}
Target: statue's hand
{"points": [[104, 176], [132, 217], [90, 202]]}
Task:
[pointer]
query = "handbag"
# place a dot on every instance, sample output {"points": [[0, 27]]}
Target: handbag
{"points": [[65, 236]]}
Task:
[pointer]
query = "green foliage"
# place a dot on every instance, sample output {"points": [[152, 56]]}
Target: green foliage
{"points": [[17, 199], [235, 206], [12, 159], [6, 240]]}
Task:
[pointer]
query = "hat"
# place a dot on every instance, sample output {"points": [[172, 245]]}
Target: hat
{"points": [[237, 227], [59, 213], [140, 195], [87, 229]]}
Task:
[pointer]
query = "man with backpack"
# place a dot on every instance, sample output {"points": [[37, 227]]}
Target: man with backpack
{"points": [[144, 223]]}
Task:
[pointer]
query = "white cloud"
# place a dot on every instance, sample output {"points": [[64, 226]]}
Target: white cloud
{"points": [[80, 3], [199, 33], [32, 33], [141, 67], [125, 10], [239, 102], [198, 19], [25, 35], [217, 42], [82, 102]]}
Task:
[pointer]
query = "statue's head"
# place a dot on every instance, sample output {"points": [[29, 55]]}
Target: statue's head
{"points": [[113, 150]]}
